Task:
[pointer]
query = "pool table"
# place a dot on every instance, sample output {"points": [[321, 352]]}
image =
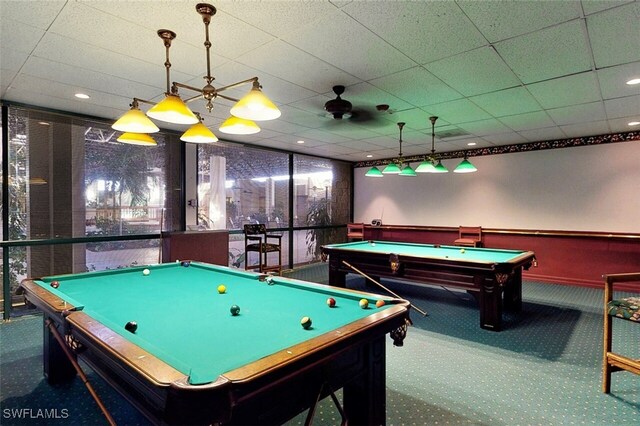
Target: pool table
{"points": [[190, 361], [487, 273]]}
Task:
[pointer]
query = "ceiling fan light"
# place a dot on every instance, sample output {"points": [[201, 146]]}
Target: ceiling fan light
{"points": [[374, 172], [198, 133], [255, 106], [239, 126], [391, 169], [173, 110], [408, 171], [465, 166], [440, 168], [137, 139], [425, 167], [135, 121]]}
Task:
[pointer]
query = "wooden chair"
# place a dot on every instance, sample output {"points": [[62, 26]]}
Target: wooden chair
{"points": [[627, 308], [256, 239], [355, 231], [469, 236]]}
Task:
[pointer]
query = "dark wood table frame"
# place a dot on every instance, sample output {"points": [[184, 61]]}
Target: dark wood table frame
{"points": [[268, 391], [488, 282]]}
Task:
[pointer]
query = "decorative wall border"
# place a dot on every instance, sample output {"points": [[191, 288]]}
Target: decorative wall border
{"points": [[508, 149]]}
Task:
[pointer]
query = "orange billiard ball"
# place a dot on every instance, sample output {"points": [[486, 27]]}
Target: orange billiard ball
{"points": [[331, 302], [379, 303]]}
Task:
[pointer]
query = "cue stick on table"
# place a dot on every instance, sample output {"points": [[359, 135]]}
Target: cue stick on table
{"points": [[383, 287], [75, 364]]}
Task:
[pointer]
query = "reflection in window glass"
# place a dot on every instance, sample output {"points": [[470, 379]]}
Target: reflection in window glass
{"points": [[239, 185]]}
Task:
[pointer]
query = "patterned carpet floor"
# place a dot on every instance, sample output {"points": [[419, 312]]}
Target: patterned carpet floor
{"points": [[544, 368]]}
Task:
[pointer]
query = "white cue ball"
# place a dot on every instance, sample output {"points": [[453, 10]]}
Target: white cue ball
{"points": [[146, 272]]}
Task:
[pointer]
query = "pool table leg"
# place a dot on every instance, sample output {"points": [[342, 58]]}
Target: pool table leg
{"points": [[513, 292], [57, 367], [365, 396], [490, 304], [337, 277]]}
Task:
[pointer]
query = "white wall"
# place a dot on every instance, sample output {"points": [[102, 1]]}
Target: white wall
{"points": [[588, 188]]}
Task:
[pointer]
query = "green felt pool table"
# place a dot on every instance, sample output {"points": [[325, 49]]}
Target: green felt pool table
{"points": [[190, 361], [487, 273]]}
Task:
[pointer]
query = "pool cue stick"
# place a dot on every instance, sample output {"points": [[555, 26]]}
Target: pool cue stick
{"points": [[75, 364], [383, 287]]}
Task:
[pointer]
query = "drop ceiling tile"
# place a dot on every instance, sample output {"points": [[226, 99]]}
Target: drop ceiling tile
{"points": [[583, 129], [443, 24], [507, 102], [6, 77], [414, 119], [485, 127], [475, 72], [300, 117], [37, 14], [613, 80], [564, 91], [528, 121], [12, 60], [346, 44], [276, 18], [619, 27], [349, 130], [623, 107], [416, 86], [543, 134], [284, 127], [502, 20], [594, 6], [312, 104], [584, 113], [322, 136], [361, 145], [299, 67], [507, 138], [622, 124], [18, 36], [463, 144], [547, 53], [459, 111]]}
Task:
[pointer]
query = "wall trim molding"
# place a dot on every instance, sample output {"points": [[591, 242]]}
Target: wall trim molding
{"points": [[513, 148]]}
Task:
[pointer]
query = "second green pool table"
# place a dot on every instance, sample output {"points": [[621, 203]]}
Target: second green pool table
{"points": [[494, 276]]}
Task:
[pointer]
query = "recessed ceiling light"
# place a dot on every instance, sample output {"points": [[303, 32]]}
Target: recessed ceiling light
{"points": [[634, 123], [369, 155], [471, 144], [300, 141], [44, 123], [82, 96], [633, 81]]}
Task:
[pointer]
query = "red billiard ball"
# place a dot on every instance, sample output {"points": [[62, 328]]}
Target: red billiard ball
{"points": [[380, 303], [55, 284], [331, 302]]}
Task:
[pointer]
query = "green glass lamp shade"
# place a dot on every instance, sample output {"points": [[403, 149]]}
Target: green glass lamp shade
{"points": [[425, 167], [408, 171], [374, 172], [440, 168], [465, 166], [391, 169]]}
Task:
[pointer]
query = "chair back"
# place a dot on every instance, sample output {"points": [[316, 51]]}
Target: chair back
{"points": [[355, 230], [470, 232], [255, 229]]}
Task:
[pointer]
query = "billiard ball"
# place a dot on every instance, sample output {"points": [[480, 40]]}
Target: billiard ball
{"points": [[235, 310], [145, 271], [131, 326], [461, 250], [379, 303], [186, 263], [305, 322], [331, 302], [222, 289], [55, 284], [364, 303]]}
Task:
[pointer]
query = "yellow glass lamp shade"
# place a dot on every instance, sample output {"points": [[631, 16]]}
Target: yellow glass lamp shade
{"points": [[137, 139], [255, 106], [198, 133], [135, 121], [173, 110], [239, 126]]}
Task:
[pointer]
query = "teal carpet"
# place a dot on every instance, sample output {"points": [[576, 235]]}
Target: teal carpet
{"points": [[543, 369]]}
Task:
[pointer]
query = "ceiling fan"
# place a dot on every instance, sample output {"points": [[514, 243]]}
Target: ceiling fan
{"points": [[342, 109]]}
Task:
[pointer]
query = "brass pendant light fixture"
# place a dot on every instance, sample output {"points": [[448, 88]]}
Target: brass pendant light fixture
{"points": [[254, 106]]}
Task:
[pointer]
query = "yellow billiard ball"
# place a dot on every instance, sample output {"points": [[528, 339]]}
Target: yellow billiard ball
{"points": [[461, 250], [146, 271], [364, 303], [222, 289]]}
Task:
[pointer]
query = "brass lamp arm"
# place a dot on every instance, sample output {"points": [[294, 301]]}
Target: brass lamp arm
{"points": [[253, 80]]}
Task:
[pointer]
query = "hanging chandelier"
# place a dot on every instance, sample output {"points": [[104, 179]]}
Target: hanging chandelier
{"points": [[254, 106]]}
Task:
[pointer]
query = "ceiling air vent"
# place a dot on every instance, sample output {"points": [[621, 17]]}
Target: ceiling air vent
{"points": [[452, 133]]}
